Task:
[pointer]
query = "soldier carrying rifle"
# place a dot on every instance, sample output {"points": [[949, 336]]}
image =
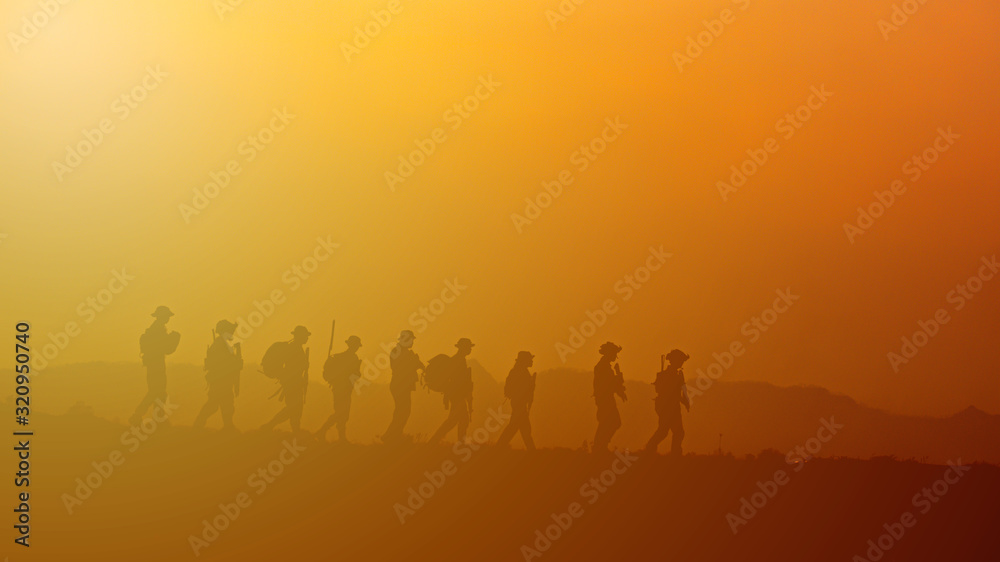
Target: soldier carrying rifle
{"points": [[671, 393], [223, 363], [341, 371]]}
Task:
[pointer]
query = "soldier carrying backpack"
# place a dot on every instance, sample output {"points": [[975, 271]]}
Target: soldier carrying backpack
{"points": [[288, 363], [340, 372], [455, 382]]}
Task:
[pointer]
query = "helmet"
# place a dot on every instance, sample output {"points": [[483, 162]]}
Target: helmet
{"points": [[225, 327]]}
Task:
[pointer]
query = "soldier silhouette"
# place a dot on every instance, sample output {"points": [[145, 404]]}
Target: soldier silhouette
{"points": [[344, 370], [520, 389], [405, 364], [458, 393], [608, 382], [154, 345], [671, 392], [289, 363], [223, 363]]}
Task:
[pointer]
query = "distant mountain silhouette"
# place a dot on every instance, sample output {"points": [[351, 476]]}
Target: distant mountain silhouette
{"points": [[751, 416]]}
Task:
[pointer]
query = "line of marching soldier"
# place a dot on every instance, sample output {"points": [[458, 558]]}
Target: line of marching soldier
{"points": [[288, 363]]}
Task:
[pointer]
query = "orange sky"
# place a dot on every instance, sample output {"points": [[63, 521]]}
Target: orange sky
{"points": [[211, 82]]}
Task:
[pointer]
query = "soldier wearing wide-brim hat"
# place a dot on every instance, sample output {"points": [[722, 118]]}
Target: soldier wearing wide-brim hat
{"points": [[162, 312], [154, 345], [608, 383], [519, 388]]}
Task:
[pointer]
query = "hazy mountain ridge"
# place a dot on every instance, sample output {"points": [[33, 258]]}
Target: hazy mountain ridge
{"points": [[751, 416]]}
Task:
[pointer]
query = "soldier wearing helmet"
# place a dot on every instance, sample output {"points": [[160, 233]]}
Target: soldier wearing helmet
{"points": [[345, 370], [223, 363], [404, 364], [293, 376], [671, 393], [458, 394]]}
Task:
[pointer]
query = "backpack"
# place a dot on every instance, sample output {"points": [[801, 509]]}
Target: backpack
{"points": [[144, 343], [336, 369], [273, 362], [437, 374]]}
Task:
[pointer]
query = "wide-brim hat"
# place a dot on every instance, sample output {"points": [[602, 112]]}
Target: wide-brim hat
{"points": [[162, 312], [677, 355], [353, 340], [225, 327], [608, 348], [301, 330], [522, 355], [465, 342]]}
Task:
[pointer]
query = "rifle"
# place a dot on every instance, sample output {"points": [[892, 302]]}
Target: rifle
{"points": [[239, 355], [663, 360], [333, 327], [305, 376]]}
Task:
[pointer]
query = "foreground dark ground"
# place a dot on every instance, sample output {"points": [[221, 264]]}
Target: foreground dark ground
{"points": [[334, 502]]}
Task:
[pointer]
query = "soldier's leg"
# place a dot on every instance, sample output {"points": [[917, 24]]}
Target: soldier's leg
{"points": [[449, 423], [529, 442], [399, 415], [321, 433], [463, 420], [678, 429], [406, 406], [227, 404], [343, 413], [608, 422], [659, 435], [295, 413], [158, 383], [206, 411], [156, 387], [508, 432], [278, 418], [601, 437]]}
